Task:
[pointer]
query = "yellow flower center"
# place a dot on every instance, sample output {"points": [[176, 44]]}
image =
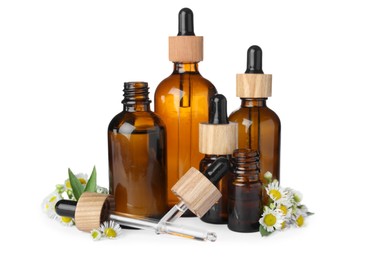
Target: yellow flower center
{"points": [[275, 194], [300, 221], [110, 232], [52, 199], [269, 220], [68, 186], [283, 208], [95, 234], [66, 220], [283, 224]]}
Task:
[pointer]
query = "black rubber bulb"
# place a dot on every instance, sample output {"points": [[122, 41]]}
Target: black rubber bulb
{"points": [[186, 22], [218, 110], [254, 60], [217, 170], [66, 208]]}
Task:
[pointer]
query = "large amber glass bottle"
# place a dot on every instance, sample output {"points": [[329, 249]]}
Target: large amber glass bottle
{"points": [[258, 126], [137, 156], [182, 101]]}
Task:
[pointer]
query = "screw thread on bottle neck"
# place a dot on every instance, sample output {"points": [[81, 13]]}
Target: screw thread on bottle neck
{"points": [[246, 161], [135, 93]]}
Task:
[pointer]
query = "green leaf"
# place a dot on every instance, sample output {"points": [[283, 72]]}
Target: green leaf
{"points": [[91, 184], [309, 213], [76, 185], [264, 232]]}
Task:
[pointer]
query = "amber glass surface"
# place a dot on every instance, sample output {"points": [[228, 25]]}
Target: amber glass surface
{"points": [[218, 213], [137, 161], [244, 190], [182, 101], [259, 128]]}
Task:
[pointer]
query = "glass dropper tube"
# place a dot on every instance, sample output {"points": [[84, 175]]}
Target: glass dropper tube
{"points": [[67, 208], [164, 228]]}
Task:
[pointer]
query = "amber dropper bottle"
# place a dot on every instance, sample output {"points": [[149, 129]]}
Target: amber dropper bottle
{"points": [[244, 189], [137, 156], [182, 101], [217, 138], [258, 126]]}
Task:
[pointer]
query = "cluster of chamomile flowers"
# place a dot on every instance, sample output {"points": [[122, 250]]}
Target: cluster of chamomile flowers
{"points": [[284, 208], [108, 229]]}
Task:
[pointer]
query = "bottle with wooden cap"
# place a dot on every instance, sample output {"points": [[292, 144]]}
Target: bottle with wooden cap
{"points": [[182, 101], [258, 126], [137, 156], [244, 189], [217, 138]]}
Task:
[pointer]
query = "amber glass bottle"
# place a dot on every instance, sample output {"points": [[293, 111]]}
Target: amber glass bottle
{"points": [[182, 101], [217, 139], [137, 156], [258, 126], [244, 189]]}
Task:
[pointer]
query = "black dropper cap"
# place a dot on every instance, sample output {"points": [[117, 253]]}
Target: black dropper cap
{"points": [[66, 208], [254, 60], [218, 110], [186, 22], [217, 170]]}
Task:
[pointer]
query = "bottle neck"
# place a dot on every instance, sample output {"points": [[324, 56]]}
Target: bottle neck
{"points": [[136, 97], [253, 102], [181, 67], [246, 162]]}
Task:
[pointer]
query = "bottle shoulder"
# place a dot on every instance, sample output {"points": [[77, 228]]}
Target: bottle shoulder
{"points": [[198, 82], [246, 112], [136, 120]]}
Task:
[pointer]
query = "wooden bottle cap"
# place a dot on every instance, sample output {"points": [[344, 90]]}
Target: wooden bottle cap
{"points": [[185, 48], [254, 85], [217, 139], [92, 209], [197, 192]]}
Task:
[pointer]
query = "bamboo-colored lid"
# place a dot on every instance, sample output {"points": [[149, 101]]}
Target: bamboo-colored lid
{"points": [[92, 209], [217, 139], [254, 85], [197, 192], [186, 48]]}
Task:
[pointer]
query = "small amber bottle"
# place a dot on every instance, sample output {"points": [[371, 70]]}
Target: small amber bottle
{"points": [[217, 138], [258, 126], [137, 156], [244, 189], [182, 101]]}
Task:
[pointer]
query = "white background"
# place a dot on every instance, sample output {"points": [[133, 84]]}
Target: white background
{"points": [[62, 68]]}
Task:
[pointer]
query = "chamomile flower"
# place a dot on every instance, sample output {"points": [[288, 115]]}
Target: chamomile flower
{"points": [[96, 234], [110, 229], [271, 220], [49, 203], [285, 210], [83, 178], [276, 193], [300, 216]]}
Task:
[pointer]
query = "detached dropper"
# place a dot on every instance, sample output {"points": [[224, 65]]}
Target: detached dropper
{"points": [[196, 191], [254, 83]]}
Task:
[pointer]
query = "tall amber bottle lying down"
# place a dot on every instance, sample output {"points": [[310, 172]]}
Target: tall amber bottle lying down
{"points": [[182, 101], [258, 126], [137, 156]]}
